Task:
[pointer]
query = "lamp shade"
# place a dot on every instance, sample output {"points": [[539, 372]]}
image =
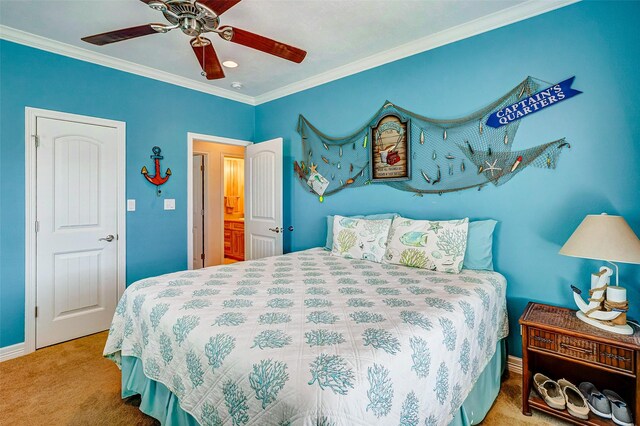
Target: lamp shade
{"points": [[604, 237]]}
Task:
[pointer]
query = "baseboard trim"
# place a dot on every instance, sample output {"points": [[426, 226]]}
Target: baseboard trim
{"points": [[10, 352], [514, 364]]}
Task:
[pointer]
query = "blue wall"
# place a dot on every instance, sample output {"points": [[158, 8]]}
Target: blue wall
{"points": [[538, 209], [156, 113]]}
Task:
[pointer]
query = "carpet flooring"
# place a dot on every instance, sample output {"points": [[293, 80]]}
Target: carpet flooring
{"points": [[72, 384]]}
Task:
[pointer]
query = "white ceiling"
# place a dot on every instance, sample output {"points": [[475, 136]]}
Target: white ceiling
{"points": [[340, 36]]}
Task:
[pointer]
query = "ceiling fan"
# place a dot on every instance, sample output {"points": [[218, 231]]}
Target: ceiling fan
{"points": [[195, 18]]}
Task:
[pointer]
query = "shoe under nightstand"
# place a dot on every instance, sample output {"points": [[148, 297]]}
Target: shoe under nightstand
{"points": [[556, 343]]}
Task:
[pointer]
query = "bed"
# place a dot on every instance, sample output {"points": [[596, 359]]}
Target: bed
{"points": [[312, 339]]}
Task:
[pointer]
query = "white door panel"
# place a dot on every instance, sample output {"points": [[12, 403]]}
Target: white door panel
{"points": [[75, 283], [76, 182], [76, 271], [263, 195], [264, 246]]}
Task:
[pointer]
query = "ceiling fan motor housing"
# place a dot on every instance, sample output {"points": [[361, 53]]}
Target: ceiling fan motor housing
{"points": [[190, 26], [193, 18]]}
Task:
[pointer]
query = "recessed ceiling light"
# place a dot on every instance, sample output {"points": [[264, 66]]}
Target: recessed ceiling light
{"points": [[230, 64], [236, 85]]}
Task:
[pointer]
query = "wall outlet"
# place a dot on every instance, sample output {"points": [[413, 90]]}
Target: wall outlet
{"points": [[170, 204], [131, 205]]}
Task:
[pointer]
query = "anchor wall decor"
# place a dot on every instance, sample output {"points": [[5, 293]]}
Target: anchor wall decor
{"points": [[157, 178]]}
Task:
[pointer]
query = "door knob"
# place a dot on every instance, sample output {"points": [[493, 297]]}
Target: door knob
{"points": [[276, 230], [108, 238], [290, 228]]}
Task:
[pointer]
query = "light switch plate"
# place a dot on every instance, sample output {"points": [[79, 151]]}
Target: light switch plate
{"points": [[131, 205], [170, 204]]}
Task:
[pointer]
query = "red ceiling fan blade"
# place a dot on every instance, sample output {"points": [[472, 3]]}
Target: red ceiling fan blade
{"points": [[207, 57], [120, 35], [218, 6], [264, 44]]}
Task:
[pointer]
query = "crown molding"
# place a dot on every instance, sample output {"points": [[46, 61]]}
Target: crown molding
{"points": [[481, 25], [64, 49]]}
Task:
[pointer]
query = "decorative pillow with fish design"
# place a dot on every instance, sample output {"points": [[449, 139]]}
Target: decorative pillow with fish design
{"points": [[436, 245], [360, 238]]}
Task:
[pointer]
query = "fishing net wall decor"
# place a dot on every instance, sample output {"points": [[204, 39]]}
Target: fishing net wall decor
{"points": [[446, 155]]}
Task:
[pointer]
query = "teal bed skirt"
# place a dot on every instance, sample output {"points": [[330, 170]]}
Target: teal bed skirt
{"points": [[160, 403]]}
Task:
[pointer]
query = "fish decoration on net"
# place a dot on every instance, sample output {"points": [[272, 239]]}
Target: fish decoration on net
{"points": [[447, 155]]}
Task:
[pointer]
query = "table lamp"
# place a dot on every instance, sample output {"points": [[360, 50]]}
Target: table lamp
{"points": [[611, 239]]}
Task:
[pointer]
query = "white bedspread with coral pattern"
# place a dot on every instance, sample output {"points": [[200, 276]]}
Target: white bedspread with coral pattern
{"points": [[309, 338]]}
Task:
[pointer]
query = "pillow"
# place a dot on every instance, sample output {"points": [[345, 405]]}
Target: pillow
{"points": [[436, 245], [329, 244], [360, 238], [479, 254]]}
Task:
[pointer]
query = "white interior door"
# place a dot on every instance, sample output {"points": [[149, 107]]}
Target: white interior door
{"points": [[76, 266], [263, 199], [198, 211]]}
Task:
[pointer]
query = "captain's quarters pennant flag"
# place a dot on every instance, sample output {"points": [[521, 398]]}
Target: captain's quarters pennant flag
{"points": [[533, 103]]}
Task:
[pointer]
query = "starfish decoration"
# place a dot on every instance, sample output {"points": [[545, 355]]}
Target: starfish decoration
{"points": [[313, 168], [492, 167], [435, 227]]}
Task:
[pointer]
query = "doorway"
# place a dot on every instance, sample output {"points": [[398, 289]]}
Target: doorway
{"points": [[217, 204], [263, 206], [233, 209], [75, 200]]}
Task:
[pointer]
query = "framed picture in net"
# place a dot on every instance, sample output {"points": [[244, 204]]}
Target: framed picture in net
{"points": [[390, 150]]}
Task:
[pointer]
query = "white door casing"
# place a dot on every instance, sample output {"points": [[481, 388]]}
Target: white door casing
{"points": [[198, 211], [263, 199], [75, 199]]}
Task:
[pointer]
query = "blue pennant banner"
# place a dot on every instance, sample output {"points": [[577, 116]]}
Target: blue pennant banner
{"points": [[534, 103]]}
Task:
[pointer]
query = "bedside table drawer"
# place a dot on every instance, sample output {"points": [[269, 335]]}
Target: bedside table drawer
{"points": [[578, 348], [543, 339], [616, 357]]}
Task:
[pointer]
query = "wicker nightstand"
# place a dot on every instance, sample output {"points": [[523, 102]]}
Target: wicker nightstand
{"points": [[557, 344]]}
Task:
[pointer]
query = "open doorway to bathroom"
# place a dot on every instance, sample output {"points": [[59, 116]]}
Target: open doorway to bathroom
{"points": [[218, 203], [233, 209]]}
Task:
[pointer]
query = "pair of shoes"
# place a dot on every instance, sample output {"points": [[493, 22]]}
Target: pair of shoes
{"points": [[562, 394], [607, 404]]}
